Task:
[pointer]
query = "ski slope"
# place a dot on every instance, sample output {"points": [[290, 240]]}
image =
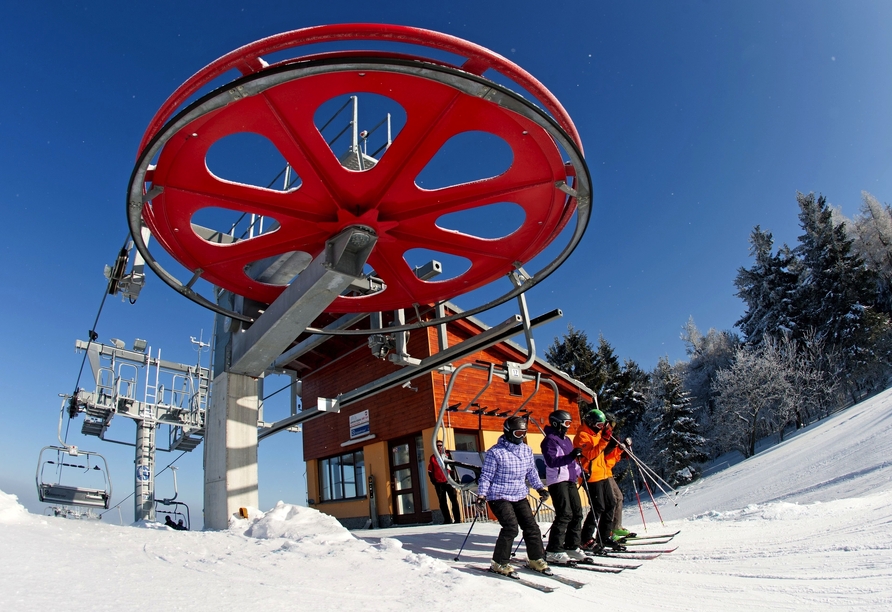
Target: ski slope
{"points": [[804, 525]]}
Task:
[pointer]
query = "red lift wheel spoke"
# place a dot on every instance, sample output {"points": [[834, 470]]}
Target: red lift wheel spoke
{"points": [[279, 104]]}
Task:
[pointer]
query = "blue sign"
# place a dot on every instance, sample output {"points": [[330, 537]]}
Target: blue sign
{"points": [[362, 430], [142, 473]]}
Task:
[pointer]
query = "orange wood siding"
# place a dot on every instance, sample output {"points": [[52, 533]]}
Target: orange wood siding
{"points": [[399, 412]]}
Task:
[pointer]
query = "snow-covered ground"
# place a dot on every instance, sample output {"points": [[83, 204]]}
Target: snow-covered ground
{"points": [[805, 525]]}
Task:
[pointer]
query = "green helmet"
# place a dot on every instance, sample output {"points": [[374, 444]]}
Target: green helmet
{"points": [[594, 417]]}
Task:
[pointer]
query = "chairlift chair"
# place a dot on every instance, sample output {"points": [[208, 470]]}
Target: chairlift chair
{"points": [[177, 511], [52, 491]]}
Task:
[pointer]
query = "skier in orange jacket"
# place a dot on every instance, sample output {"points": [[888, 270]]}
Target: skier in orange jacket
{"points": [[593, 438]]}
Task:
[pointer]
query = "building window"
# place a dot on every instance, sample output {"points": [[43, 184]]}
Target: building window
{"points": [[466, 441], [514, 389], [342, 477]]}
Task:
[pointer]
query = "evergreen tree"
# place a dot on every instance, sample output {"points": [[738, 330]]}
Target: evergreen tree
{"points": [[574, 355], [871, 234], [606, 374], [768, 288], [676, 434], [630, 402], [835, 294]]}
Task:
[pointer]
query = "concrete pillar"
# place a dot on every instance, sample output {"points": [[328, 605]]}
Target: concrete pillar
{"points": [[230, 449]]}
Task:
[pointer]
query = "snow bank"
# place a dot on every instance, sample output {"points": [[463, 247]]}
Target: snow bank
{"points": [[11, 511], [295, 523]]}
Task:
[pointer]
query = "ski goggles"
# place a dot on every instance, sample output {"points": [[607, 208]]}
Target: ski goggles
{"points": [[566, 423], [518, 433]]}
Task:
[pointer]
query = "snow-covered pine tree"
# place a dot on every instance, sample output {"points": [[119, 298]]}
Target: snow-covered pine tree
{"points": [[606, 374], [676, 433], [768, 289], [871, 233], [574, 355], [630, 401], [835, 296]]}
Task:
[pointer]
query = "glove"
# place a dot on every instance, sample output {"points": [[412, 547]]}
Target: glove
{"points": [[576, 453], [481, 502], [543, 494], [629, 442]]}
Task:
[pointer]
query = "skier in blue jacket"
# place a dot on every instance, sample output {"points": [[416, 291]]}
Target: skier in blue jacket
{"points": [[562, 473], [508, 473]]}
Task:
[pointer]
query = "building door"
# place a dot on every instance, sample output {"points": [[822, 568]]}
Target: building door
{"points": [[407, 463]]}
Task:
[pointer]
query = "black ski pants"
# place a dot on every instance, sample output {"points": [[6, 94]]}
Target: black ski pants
{"points": [[444, 490], [567, 526], [601, 516], [511, 515]]}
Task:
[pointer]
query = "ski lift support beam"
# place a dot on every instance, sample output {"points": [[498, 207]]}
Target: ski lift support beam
{"points": [[494, 335]]}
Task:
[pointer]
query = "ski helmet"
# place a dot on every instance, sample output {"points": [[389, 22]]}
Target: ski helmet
{"points": [[594, 418], [560, 421], [512, 427]]}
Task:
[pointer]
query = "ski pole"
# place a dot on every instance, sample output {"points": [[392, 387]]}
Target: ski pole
{"points": [[638, 497], [645, 472], [476, 514], [656, 507], [591, 506], [535, 513], [646, 468], [656, 477]]}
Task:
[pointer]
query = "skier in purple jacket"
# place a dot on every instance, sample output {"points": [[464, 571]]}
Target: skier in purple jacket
{"points": [[562, 472], [508, 473]]}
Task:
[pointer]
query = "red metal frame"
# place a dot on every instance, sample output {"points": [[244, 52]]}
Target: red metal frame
{"points": [[384, 198]]}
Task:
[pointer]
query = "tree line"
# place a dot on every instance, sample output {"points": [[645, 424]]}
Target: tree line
{"points": [[816, 335]]}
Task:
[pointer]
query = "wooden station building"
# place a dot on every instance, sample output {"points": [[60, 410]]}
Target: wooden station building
{"points": [[366, 464]]}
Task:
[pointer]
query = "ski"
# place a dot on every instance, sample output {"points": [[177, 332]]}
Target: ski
{"points": [[643, 552], [590, 561], [562, 579], [517, 579], [637, 555], [657, 536], [597, 567], [649, 542]]}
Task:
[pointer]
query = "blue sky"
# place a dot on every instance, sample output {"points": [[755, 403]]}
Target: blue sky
{"points": [[699, 121]]}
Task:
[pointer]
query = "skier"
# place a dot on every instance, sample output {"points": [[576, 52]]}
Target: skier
{"points": [[614, 454], [508, 472], [593, 437], [562, 473], [441, 484]]}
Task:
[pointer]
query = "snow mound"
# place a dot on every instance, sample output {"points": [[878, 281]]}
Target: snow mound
{"points": [[11, 511], [295, 523]]}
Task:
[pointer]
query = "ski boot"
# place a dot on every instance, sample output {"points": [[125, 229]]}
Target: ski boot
{"points": [[504, 569], [620, 534], [540, 566], [613, 545], [558, 558]]}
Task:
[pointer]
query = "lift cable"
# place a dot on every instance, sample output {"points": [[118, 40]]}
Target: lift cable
{"points": [[91, 336]]}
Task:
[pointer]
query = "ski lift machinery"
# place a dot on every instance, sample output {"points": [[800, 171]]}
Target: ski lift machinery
{"points": [[343, 233]]}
